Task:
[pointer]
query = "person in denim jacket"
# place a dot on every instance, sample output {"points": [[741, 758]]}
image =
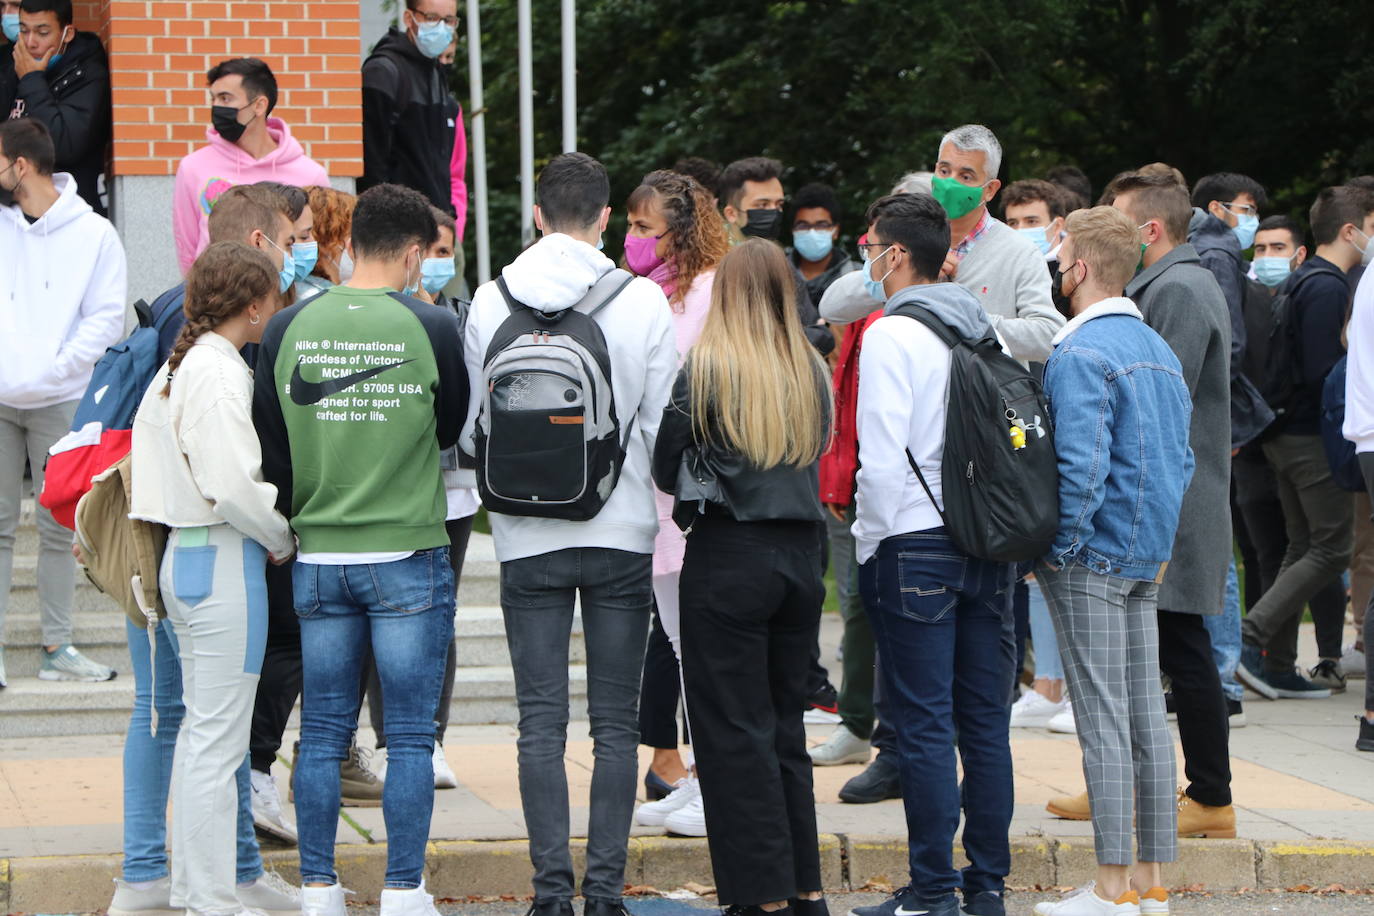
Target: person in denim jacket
{"points": [[1121, 411]]}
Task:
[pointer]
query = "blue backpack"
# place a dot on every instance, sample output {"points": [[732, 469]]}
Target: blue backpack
{"points": [[1340, 451], [102, 429]]}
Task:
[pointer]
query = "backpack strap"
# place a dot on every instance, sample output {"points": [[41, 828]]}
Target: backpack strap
{"points": [[926, 317], [611, 284], [925, 486]]}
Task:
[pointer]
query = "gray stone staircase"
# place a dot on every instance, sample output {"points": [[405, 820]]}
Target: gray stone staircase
{"points": [[483, 692]]}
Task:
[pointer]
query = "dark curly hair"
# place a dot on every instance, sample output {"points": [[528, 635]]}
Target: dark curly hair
{"points": [[697, 239]]}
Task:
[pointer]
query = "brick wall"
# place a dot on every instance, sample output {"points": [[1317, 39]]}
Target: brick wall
{"points": [[159, 52]]}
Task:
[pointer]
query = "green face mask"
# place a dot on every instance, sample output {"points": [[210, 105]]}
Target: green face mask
{"points": [[958, 199]]}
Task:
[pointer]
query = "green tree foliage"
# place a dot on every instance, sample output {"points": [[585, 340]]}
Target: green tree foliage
{"points": [[857, 92]]}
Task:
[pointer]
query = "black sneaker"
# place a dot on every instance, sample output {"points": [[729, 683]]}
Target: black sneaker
{"points": [[555, 907], [1235, 714], [1328, 674], [1250, 672], [826, 699], [985, 903], [1366, 740], [803, 907], [878, 782], [1290, 685], [596, 906], [906, 902]]}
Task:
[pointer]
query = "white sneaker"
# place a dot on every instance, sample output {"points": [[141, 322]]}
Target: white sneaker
{"points": [[413, 902], [843, 747], [815, 716], [267, 816], [3, 682], [1063, 722], [1085, 902], [1035, 710], [323, 901], [689, 820], [443, 773], [1352, 664], [653, 814], [379, 763], [151, 900], [270, 894]]}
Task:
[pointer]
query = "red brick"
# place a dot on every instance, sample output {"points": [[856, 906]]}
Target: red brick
{"points": [[308, 132], [331, 150], [191, 131], [211, 46], [128, 149], [203, 10], [327, 10], [128, 44], [133, 9], [190, 97], [169, 46], [308, 28], [140, 99], [190, 27], [188, 63], [335, 80], [334, 45], [287, 45], [307, 98], [144, 167], [162, 10], [290, 79], [171, 149], [144, 131], [120, 77], [346, 132]]}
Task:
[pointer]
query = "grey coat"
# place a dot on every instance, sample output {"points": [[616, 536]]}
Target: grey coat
{"points": [[1181, 300]]}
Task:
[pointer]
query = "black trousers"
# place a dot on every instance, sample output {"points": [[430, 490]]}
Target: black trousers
{"points": [[751, 605], [1185, 655], [659, 692], [280, 683]]}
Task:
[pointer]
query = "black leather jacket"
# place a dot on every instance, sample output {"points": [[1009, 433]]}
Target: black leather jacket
{"points": [[706, 478]]}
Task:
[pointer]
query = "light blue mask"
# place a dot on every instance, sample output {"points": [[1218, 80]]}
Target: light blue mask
{"points": [[435, 274], [288, 267], [10, 24], [305, 254], [813, 244], [1037, 235], [432, 38], [1245, 228], [1272, 271], [873, 287]]}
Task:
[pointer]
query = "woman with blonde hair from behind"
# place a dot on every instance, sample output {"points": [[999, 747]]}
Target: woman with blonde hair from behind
{"points": [[739, 448]]}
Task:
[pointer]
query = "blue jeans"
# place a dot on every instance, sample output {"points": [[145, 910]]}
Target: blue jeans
{"points": [[941, 619], [1224, 630], [1047, 663], [404, 611], [148, 763]]}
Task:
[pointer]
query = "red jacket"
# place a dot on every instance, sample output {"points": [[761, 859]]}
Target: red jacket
{"points": [[841, 461]]}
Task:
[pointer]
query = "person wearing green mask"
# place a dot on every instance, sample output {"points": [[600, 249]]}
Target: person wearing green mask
{"points": [[999, 265]]}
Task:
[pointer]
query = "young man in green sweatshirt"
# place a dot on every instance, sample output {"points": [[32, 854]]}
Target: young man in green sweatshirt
{"points": [[356, 392]]}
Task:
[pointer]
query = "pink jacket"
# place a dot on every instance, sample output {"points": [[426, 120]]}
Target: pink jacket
{"points": [[457, 168], [219, 165], [671, 544]]}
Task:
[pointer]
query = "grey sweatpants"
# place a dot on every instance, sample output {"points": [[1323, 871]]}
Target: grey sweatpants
{"points": [[28, 434], [1109, 642]]}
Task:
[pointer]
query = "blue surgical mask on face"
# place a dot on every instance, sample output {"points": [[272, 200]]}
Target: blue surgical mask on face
{"points": [[873, 287], [435, 274], [1272, 271], [1037, 235], [305, 254], [9, 22], [288, 267], [1245, 228], [432, 38], [813, 244]]}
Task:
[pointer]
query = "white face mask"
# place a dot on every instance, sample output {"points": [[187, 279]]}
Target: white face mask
{"points": [[345, 267], [1367, 252]]}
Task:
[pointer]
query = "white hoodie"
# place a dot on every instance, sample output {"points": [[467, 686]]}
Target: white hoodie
{"points": [[1359, 368], [62, 299], [555, 274]]}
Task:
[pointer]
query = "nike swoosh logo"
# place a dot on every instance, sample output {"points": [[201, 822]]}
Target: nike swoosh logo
{"points": [[306, 393], [353, 307], [903, 911]]}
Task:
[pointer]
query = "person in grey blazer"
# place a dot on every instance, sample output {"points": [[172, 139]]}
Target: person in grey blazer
{"points": [[1180, 299]]}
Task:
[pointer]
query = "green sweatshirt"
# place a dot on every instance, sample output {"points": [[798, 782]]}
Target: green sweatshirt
{"points": [[356, 392]]}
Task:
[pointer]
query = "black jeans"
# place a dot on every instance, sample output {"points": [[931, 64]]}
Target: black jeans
{"points": [[751, 605], [1185, 655], [459, 533], [659, 692], [280, 683]]}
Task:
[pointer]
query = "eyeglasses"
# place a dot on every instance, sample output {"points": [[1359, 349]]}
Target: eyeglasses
{"points": [[865, 246], [824, 225], [431, 18], [1241, 209]]}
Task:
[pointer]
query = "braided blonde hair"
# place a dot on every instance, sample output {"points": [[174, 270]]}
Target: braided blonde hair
{"points": [[226, 279]]}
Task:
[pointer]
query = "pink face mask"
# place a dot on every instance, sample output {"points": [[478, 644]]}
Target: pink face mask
{"points": [[640, 255]]}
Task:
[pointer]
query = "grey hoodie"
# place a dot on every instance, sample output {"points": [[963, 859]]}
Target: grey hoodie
{"points": [[951, 303]]}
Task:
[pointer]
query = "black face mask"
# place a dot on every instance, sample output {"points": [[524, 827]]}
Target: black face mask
{"points": [[763, 224], [1062, 303], [225, 120]]}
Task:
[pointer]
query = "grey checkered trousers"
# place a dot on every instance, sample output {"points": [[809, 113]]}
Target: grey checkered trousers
{"points": [[1109, 642]]}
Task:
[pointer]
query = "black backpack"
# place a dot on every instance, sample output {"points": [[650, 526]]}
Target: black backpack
{"points": [[999, 472], [1282, 374], [547, 439]]}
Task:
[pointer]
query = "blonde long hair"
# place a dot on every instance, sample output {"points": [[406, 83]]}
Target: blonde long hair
{"points": [[758, 388]]}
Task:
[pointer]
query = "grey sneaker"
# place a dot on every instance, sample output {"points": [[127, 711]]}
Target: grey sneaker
{"points": [[152, 900], [66, 664], [1328, 674], [267, 814], [843, 747], [271, 895]]}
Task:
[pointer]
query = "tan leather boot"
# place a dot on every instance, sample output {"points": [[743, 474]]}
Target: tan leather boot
{"points": [[1071, 807], [1197, 819]]}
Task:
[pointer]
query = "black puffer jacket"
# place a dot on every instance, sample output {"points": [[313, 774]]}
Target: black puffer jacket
{"points": [[706, 478], [407, 125], [72, 97]]}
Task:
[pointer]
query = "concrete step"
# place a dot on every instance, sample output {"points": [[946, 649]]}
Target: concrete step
{"points": [[481, 633], [30, 708]]}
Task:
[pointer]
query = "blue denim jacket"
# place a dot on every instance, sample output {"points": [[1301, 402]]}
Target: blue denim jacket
{"points": [[1121, 411]]}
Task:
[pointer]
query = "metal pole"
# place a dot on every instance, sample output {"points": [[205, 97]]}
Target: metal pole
{"points": [[569, 75], [477, 118], [526, 66], [401, 15]]}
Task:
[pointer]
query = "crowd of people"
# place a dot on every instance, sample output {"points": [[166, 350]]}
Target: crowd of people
{"points": [[679, 447]]}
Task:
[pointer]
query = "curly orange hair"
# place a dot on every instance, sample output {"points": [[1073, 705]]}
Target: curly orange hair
{"points": [[697, 239], [333, 211]]}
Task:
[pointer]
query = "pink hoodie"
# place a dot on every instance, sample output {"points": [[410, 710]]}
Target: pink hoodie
{"points": [[671, 544], [457, 166], [216, 167]]}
